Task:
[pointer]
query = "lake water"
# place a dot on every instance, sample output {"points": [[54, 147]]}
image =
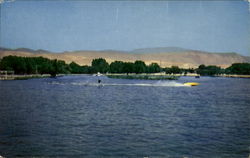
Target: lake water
{"points": [[73, 116]]}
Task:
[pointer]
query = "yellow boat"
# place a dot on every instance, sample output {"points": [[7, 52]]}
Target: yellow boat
{"points": [[191, 84]]}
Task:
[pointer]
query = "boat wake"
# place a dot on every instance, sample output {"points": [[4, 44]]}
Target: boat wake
{"points": [[156, 84]]}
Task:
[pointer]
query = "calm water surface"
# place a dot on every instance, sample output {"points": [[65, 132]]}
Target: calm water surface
{"points": [[73, 116]]}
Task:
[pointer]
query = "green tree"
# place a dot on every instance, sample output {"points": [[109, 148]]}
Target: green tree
{"points": [[62, 67], [140, 66], [210, 70], [175, 70], [86, 69], [7, 63], [30, 65], [128, 67], [54, 68], [154, 68], [17, 64], [116, 67], [239, 69], [201, 67], [100, 65], [75, 68]]}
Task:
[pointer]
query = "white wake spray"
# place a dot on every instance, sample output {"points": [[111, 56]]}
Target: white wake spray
{"points": [[157, 84]]}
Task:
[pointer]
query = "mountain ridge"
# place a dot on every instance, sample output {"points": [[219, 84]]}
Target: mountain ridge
{"points": [[160, 50], [164, 56]]}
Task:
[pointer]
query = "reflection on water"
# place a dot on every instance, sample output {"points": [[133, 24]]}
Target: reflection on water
{"points": [[75, 116]]}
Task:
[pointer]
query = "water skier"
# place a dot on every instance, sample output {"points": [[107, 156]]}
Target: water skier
{"points": [[99, 81]]}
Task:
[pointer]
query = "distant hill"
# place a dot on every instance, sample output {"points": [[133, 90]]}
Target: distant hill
{"points": [[160, 50], [164, 56], [25, 50]]}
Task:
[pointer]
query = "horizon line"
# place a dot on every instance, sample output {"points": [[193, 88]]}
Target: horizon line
{"points": [[124, 51]]}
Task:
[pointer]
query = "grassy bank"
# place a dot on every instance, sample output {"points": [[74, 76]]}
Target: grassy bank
{"points": [[144, 77], [23, 77], [234, 76]]}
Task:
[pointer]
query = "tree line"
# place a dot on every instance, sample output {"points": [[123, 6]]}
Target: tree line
{"points": [[41, 65]]}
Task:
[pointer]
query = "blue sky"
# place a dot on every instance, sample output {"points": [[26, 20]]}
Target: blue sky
{"points": [[217, 26]]}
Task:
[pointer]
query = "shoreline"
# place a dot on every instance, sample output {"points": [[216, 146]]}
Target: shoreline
{"points": [[154, 76], [234, 76], [24, 77], [144, 77]]}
